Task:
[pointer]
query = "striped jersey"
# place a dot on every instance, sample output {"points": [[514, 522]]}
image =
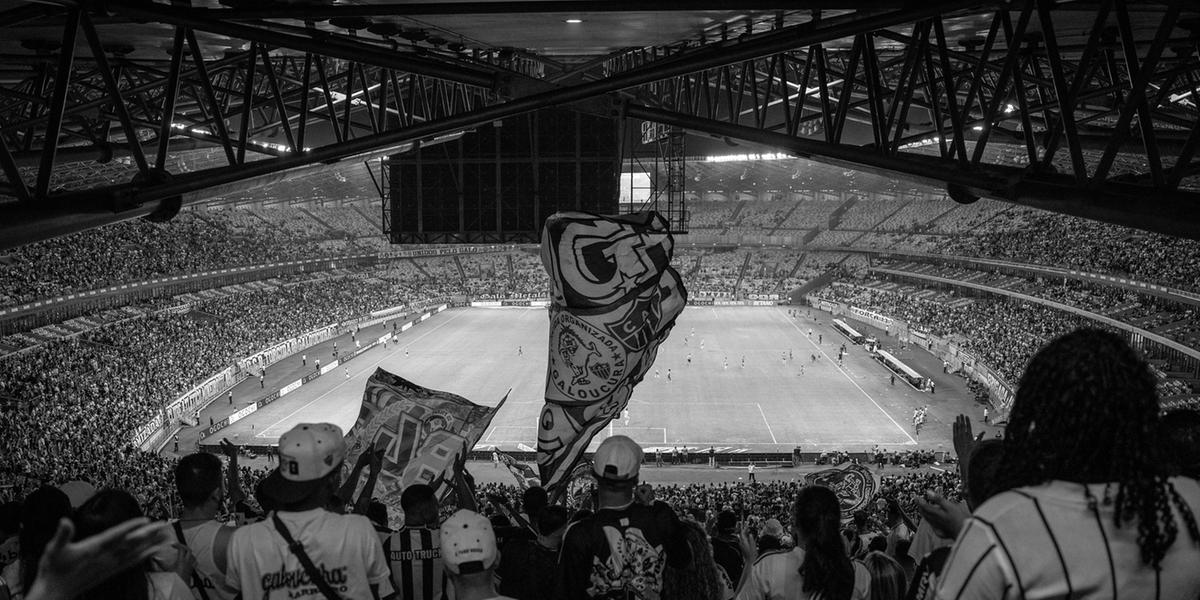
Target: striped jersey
{"points": [[1045, 542], [415, 558]]}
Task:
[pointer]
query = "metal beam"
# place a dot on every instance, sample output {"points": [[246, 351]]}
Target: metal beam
{"points": [[319, 12], [58, 103], [1169, 212], [321, 42], [720, 54]]}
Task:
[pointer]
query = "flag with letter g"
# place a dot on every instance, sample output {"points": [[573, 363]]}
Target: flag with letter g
{"points": [[614, 299], [425, 434]]}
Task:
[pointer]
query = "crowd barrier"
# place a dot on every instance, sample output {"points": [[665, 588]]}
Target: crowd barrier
{"points": [[311, 376], [948, 351], [155, 433], [511, 302]]}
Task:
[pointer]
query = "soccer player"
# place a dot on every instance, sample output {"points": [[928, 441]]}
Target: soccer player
{"points": [[625, 416], [668, 374], [520, 351], [743, 361], [656, 373], [689, 358]]}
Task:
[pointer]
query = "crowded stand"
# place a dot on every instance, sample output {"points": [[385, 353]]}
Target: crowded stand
{"points": [[717, 274], [68, 406], [759, 216], [65, 400], [1004, 334], [867, 212], [916, 214], [1087, 245], [195, 241], [831, 237], [1175, 321], [1085, 425]]}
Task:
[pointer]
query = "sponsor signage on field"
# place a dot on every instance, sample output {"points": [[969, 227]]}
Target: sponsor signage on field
{"points": [[329, 367], [485, 303], [311, 376], [406, 327], [700, 301], [219, 425], [423, 317], [239, 415], [514, 303], [871, 315], [267, 400], [291, 387]]}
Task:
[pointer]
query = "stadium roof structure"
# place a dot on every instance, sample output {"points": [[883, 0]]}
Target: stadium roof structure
{"points": [[126, 108]]}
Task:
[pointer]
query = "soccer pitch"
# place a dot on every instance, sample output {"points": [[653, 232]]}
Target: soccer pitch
{"points": [[773, 403]]}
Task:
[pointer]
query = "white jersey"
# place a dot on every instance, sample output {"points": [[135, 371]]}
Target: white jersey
{"points": [[200, 540], [1044, 542], [344, 547], [776, 576]]}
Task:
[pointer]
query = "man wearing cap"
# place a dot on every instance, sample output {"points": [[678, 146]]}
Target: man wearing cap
{"points": [[469, 552], [621, 550], [304, 551]]}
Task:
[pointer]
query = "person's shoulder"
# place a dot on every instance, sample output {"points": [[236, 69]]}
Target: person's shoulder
{"points": [[251, 531], [773, 556], [1009, 504], [862, 581], [1189, 490]]}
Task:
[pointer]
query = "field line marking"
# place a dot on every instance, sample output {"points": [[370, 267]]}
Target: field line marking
{"points": [[768, 423], [847, 375], [373, 365]]}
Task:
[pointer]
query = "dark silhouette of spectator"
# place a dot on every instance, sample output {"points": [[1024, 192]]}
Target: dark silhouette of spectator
{"points": [[725, 550], [1180, 432], [109, 508], [529, 568], [39, 514]]}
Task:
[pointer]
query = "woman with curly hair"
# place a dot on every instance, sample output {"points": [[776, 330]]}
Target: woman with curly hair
{"points": [[1088, 510]]}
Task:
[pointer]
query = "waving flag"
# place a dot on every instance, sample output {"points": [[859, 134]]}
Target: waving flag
{"points": [[614, 299], [425, 434], [526, 476], [854, 485]]}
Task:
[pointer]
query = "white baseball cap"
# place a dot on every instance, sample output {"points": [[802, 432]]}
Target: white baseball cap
{"points": [[307, 453], [468, 543], [618, 458]]}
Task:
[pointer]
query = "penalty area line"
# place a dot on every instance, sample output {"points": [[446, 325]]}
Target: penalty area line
{"points": [[768, 423]]}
